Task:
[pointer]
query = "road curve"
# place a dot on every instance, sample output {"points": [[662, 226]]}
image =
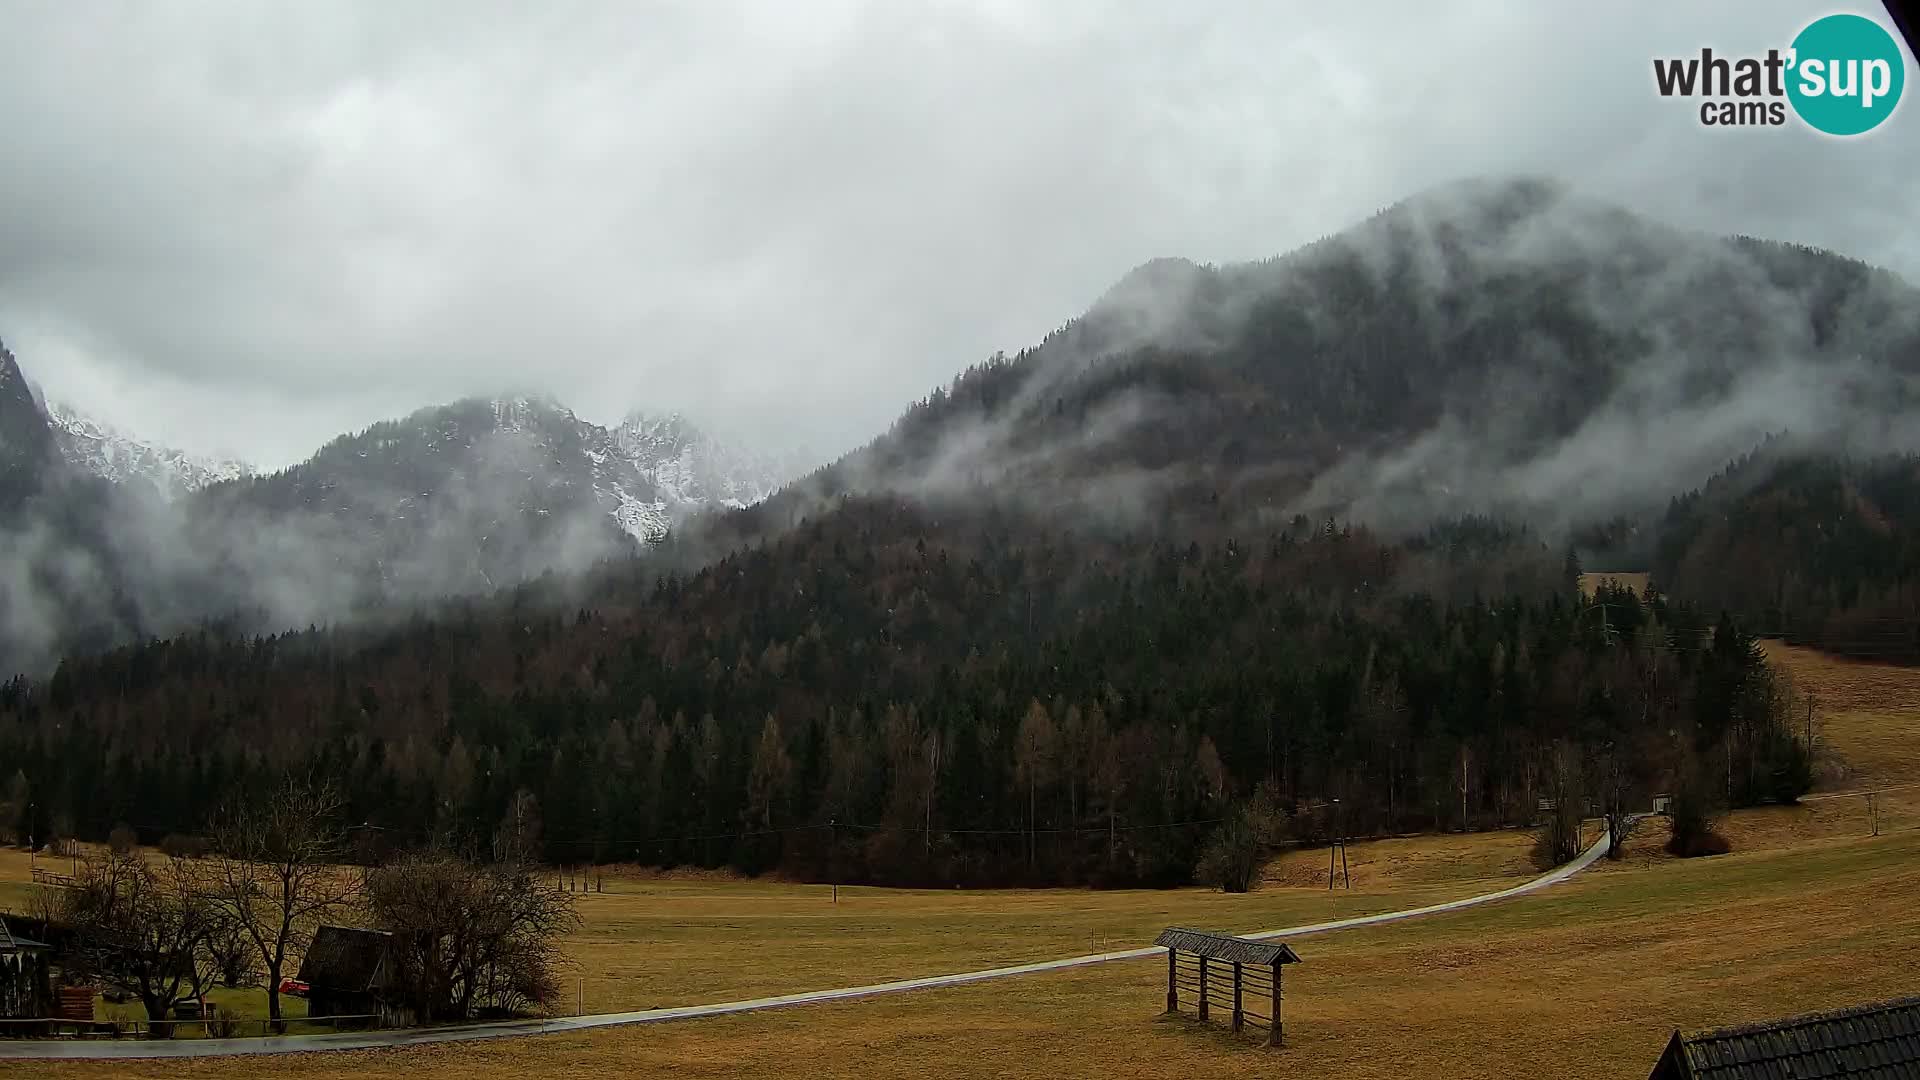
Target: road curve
{"points": [[366, 1040]]}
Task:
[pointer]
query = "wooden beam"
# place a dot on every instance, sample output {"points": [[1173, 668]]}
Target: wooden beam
{"points": [[1203, 988], [1273, 1029], [1239, 1016], [1173, 998]]}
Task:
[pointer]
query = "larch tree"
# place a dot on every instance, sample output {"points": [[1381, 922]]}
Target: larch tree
{"points": [[1034, 764]]}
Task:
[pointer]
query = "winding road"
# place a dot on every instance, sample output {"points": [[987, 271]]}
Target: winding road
{"points": [[300, 1044]]}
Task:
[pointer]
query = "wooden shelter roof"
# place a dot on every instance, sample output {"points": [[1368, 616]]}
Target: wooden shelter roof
{"points": [[1237, 950]]}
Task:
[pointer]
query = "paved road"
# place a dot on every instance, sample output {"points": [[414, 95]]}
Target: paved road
{"points": [[298, 1044]]}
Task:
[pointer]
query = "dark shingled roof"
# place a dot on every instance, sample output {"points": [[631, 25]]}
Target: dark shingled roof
{"points": [[1223, 947], [346, 959], [1874, 1042], [10, 942]]}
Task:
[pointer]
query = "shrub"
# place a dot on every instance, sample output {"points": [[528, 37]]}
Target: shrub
{"points": [[1696, 810], [1791, 772], [122, 839], [180, 845], [1699, 844], [1231, 858]]}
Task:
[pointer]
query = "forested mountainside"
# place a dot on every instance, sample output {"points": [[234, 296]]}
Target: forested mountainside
{"points": [[962, 694], [1502, 348], [1506, 348], [1819, 549]]}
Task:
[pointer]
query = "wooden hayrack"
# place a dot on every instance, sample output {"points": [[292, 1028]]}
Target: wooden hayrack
{"points": [[1206, 965]]}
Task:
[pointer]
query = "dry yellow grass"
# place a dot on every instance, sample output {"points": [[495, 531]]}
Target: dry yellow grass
{"points": [[1771, 829], [1411, 861], [652, 940], [666, 943], [1584, 981], [1869, 714]]}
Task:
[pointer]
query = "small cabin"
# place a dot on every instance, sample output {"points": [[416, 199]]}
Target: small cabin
{"points": [[26, 980], [351, 972]]}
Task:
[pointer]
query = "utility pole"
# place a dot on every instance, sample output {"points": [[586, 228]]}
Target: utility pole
{"points": [[933, 782], [1339, 843]]}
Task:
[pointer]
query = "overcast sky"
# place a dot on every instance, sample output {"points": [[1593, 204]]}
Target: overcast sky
{"points": [[248, 227]]}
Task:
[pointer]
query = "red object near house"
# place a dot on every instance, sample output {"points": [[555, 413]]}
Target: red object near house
{"points": [[293, 986]]}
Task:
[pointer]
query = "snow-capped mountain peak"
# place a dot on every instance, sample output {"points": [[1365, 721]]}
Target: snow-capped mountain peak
{"points": [[108, 452], [689, 466]]}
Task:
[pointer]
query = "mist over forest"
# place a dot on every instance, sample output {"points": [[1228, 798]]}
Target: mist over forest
{"points": [[1286, 531]]}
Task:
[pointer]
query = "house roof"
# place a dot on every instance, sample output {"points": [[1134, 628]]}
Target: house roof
{"points": [[1880, 1041], [11, 942], [347, 959], [1224, 947]]}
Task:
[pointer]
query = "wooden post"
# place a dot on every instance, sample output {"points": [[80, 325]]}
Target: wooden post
{"points": [[1237, 1017], [1173, 996], [1273, 1030], [1203, 989]]}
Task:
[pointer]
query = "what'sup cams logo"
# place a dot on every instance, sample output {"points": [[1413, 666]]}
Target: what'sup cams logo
{"points": [[1842, 75]]}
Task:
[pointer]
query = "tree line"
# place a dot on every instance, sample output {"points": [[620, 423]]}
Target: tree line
{"points": [[912, 693]]}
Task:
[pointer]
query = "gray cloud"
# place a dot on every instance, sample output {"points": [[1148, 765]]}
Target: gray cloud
{"points": [[244, 228]]}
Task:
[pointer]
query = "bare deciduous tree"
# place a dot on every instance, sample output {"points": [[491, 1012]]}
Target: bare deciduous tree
{"points": [[140, 926], [235, 960], [277, 869], [1618, 780], [517, 839], [1034, 764], [1564, 788], [470, 936]]}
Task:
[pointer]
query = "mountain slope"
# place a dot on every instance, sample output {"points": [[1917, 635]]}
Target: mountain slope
{"points": [[1506, 348], [112, 454], [1819, 549], [1498, 347], [449, 501], [688, 467], [26, 444]]}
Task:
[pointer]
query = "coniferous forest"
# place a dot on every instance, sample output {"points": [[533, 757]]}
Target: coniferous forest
{"points": [[896, 694]]}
